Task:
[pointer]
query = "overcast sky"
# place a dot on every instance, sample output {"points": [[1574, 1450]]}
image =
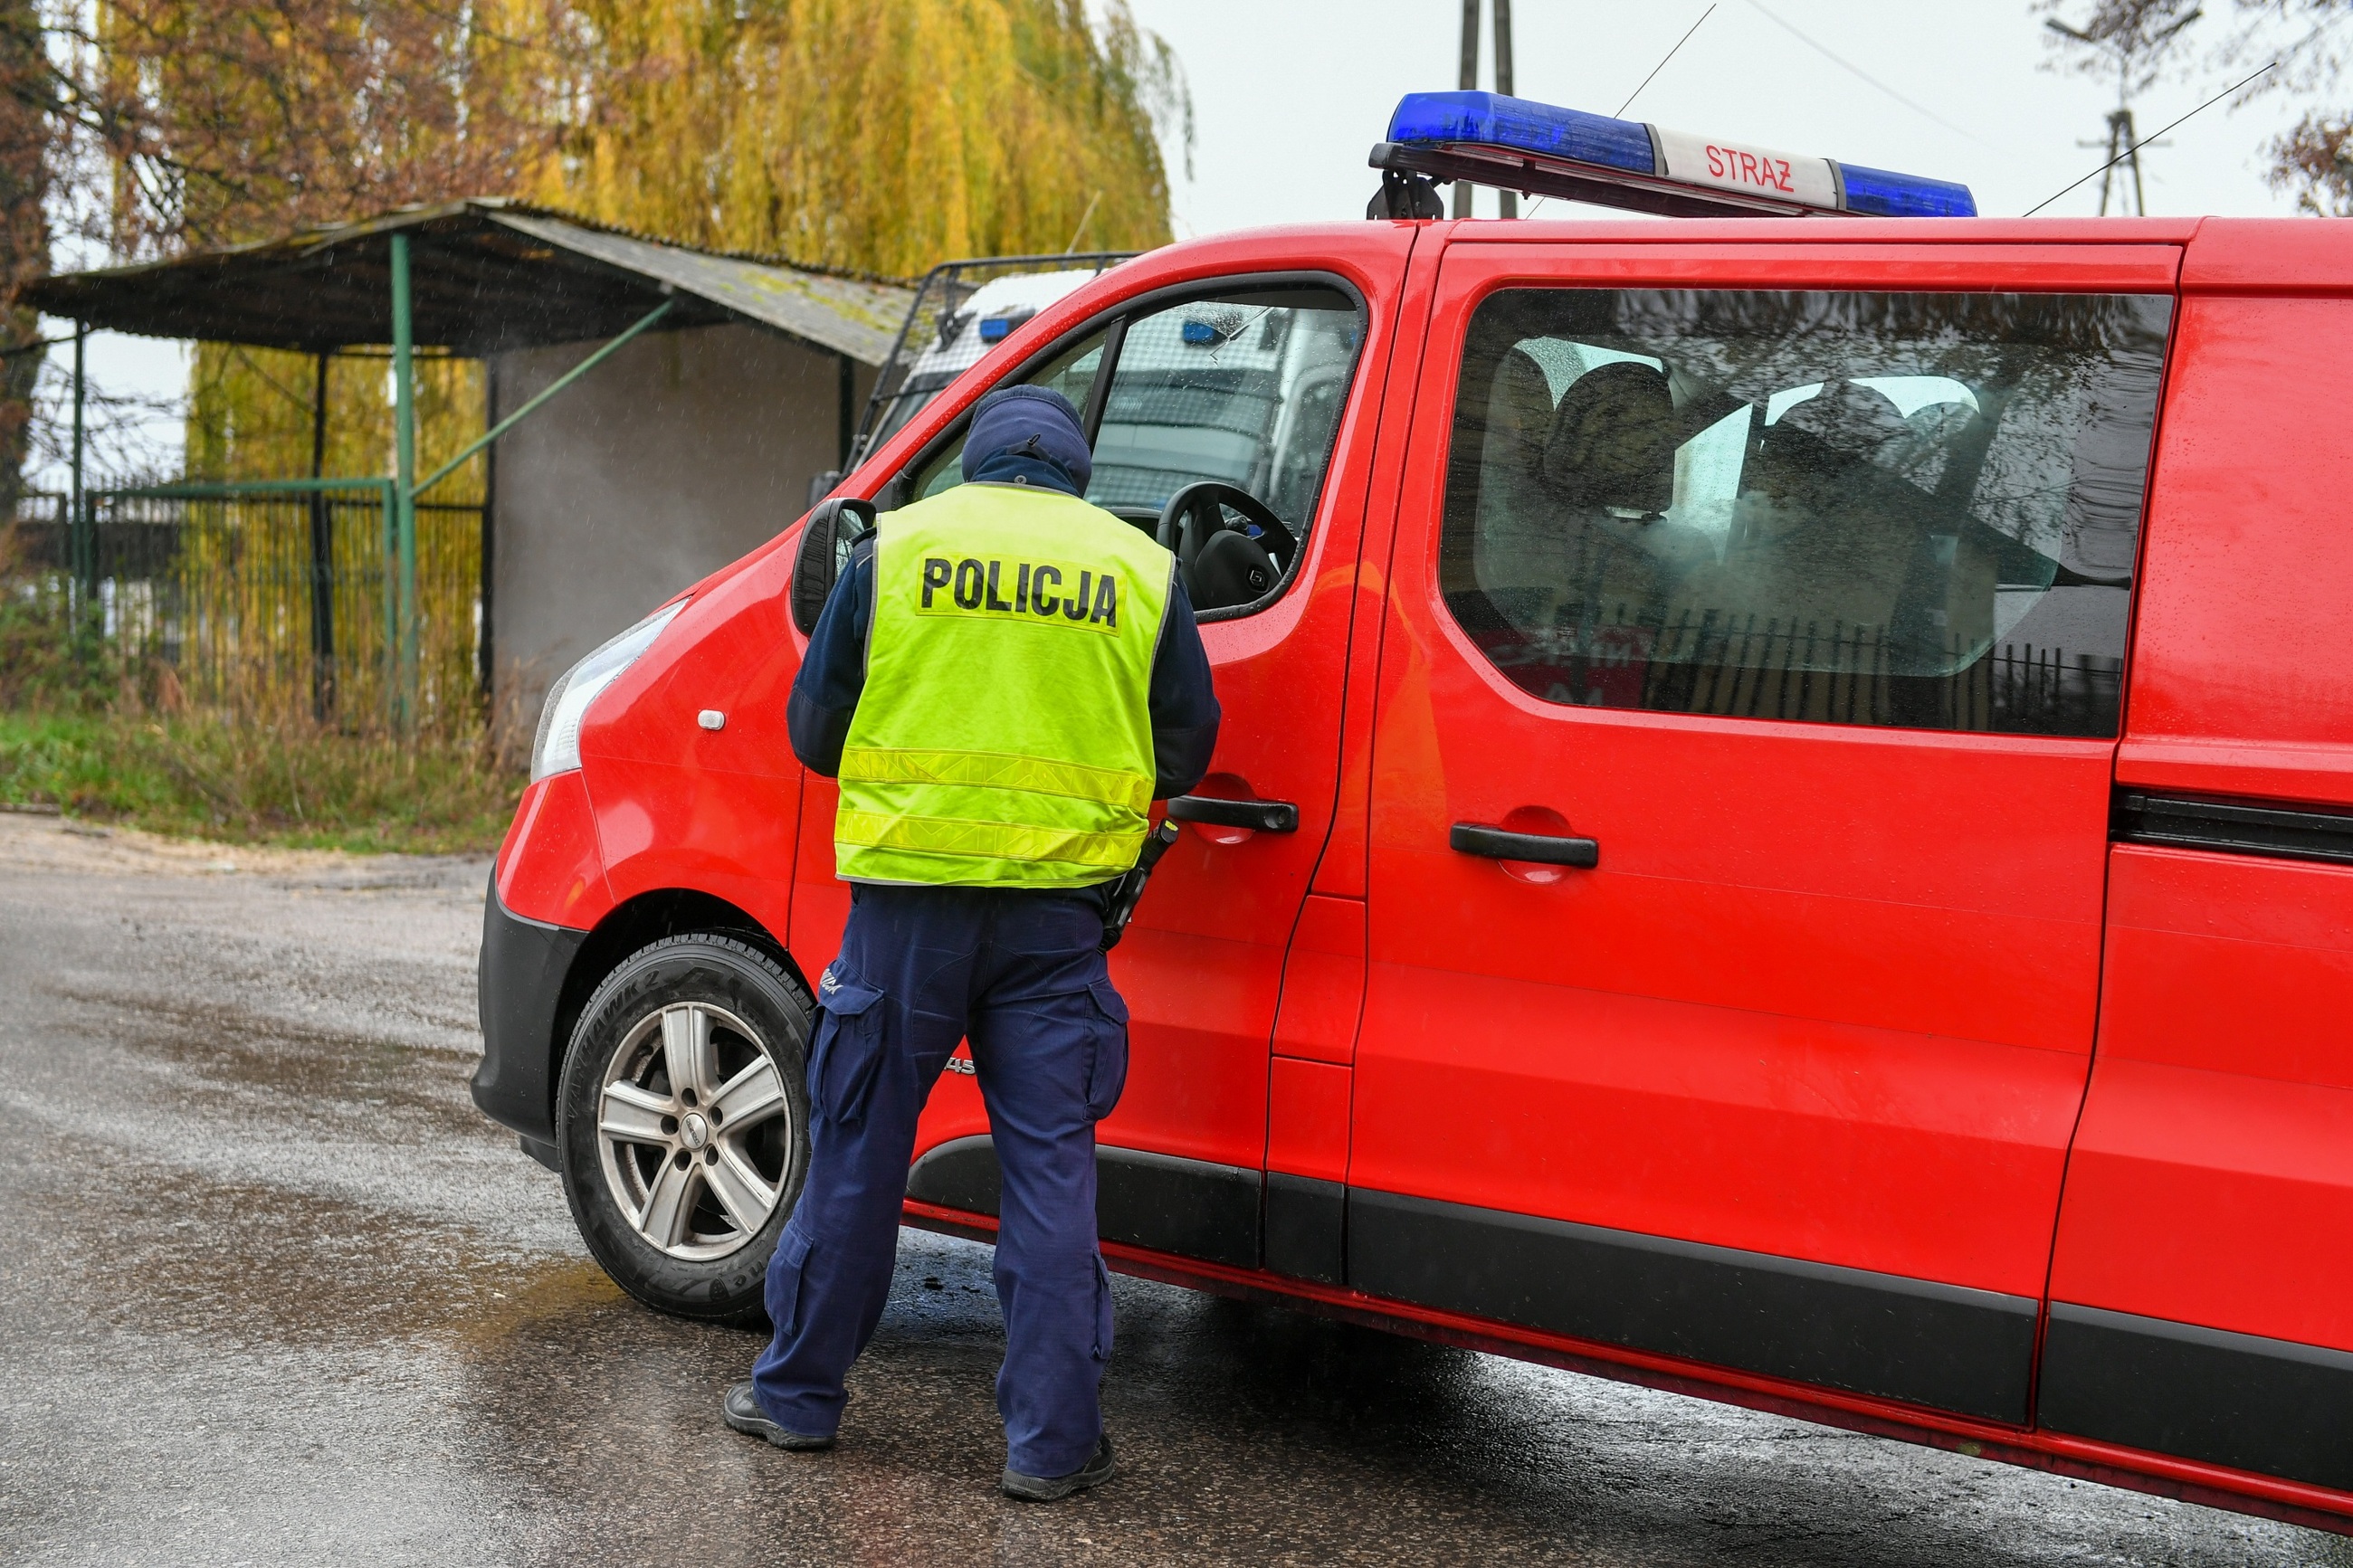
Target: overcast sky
{"points": [[1288, 95]]}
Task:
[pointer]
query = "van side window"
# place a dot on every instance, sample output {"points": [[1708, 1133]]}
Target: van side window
{"points": [[1915, 510], [1244, 387], [1070, 373]]}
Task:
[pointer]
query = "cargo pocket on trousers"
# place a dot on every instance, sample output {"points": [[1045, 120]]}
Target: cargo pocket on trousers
{"points": [[1101, 1348], [785, 1280], [1107, 1062], [849, 1050]]}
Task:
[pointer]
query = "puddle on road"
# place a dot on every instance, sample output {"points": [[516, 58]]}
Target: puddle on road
{"points": [[268, 1204], [343, 1074], [1240, 1426], [164, 1250]]}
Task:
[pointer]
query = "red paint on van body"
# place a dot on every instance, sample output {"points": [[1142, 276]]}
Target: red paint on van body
{"points": [[2214, 1168], [549, 869], [1832, 993], [2246, 594]]}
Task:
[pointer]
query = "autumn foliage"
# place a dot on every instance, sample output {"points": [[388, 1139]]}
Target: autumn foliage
{"points": [[876, 135], [880, 135]]}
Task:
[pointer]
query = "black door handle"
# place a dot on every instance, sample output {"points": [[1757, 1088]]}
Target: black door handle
{"points": [[1259, 816], [1542, 848]]}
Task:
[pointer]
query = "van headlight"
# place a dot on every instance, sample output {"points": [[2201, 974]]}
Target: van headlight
{"points": [[557, 748]]}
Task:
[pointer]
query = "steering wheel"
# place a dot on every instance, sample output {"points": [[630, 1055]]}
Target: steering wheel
{"points": [[1222, 565]]}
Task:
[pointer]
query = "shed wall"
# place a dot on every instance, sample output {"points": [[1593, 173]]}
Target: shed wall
{"points": [[678, 455]]}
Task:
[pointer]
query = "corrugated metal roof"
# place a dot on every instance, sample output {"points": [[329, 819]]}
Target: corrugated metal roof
{"points": [[858, 317], [486, 275]]}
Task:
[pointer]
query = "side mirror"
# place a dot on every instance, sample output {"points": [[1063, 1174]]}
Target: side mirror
{"points": [[833, 527]]}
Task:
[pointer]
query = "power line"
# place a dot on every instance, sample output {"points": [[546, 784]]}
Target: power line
{"points": [[1655, 69], [1857, 71], [2143, 142], [1646, 81]]}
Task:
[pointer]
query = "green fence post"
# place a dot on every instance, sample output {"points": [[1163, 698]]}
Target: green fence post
{"points": [[80, 547], [404, 399], [391, 614]]}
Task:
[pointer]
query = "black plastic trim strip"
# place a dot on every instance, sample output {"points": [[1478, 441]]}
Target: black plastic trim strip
{"points": [[1193, 1208], [1945, 1346], [961, 1174], [520, 982], [1099, 395], [2233, 826], [1190, 1207], [1306, 1229], [2273, 1406]]}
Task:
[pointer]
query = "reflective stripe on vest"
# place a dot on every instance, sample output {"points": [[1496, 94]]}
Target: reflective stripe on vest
{"points": [[1003, 736]]}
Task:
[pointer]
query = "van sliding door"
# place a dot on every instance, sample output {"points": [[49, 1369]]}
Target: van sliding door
{"points": [[2201, 1294], [1749, 702]]}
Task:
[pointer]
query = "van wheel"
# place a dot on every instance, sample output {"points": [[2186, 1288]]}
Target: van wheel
{"points": [[682, 1123]]}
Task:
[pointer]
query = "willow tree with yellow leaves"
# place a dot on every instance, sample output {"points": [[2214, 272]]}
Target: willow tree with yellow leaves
{"points": [[877, 135], [874, 135], [880, 135]]}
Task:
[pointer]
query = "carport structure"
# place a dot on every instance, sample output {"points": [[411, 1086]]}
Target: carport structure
{"points": [[547, 296]]}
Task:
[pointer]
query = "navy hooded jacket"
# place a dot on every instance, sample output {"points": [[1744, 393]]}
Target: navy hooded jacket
{"points": [[1020, 435]]}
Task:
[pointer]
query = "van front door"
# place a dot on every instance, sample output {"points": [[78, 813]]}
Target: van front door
{"points": [[1247, 383], [1741, 770]]}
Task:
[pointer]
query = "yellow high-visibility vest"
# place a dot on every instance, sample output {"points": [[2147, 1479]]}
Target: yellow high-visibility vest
{"points": [[1004, 735]]}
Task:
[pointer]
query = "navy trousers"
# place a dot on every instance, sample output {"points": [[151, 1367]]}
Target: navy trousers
{"points": [[1018, 974]]}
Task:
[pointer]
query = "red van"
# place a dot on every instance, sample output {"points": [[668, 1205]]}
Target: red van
{"points": [[1783, 829]]}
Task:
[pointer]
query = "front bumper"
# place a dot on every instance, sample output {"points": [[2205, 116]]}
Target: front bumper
{"points": [[523, 967]]}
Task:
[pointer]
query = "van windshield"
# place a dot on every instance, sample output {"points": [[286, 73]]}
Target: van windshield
{"points": [[1889, 509], [1246, 388]]}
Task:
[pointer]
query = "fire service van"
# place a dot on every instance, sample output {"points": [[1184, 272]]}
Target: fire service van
{"points": [[1783, 828]]}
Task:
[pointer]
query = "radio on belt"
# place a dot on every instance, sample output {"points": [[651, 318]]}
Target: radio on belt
{"points": [[1511, 144]]}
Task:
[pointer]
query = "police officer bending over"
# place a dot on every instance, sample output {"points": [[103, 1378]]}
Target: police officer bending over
{"points": [[1002, 683]]}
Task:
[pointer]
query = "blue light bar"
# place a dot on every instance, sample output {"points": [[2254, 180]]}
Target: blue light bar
{"points": [[1882, 195], [1516, 143], [1492, 120]]}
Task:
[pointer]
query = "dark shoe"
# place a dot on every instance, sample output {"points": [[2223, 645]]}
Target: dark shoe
{"points": [[1049, 1489], [744, 1414]]}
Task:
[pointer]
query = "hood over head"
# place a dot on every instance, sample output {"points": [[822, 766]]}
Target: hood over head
{"points": [[1017, 429]]}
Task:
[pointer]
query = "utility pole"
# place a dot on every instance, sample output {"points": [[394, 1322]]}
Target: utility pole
{"points": [[2123, 151], [1468, 80], [1468, 83], [1509, 200], [2132, 52]]}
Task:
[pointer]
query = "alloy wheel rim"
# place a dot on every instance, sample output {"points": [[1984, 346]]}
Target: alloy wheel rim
{"points": [[694, 1132]]}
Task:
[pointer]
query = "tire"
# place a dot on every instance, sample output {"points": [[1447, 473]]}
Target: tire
{"points": [[682, 1189]]}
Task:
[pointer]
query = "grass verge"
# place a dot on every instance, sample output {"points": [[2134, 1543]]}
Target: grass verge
{"points": [[245, 782]]}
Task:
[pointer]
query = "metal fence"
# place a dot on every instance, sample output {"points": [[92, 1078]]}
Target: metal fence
{"points": [[271, 600]]}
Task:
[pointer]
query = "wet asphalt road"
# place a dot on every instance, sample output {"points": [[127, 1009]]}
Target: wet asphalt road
{"points": [[272, 1292]]}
